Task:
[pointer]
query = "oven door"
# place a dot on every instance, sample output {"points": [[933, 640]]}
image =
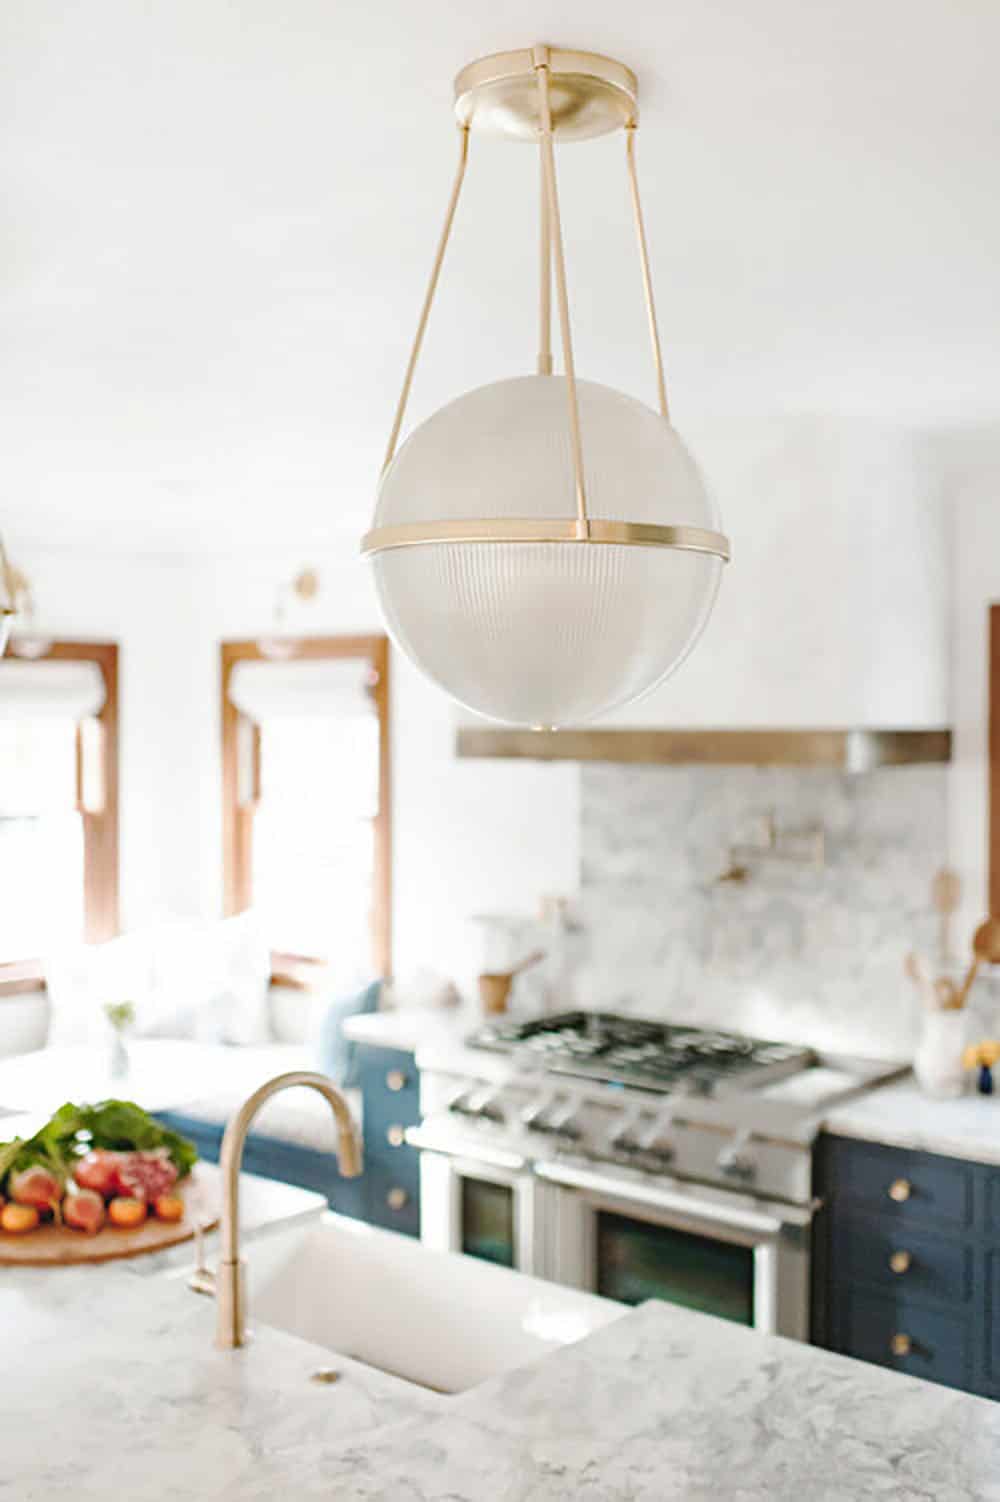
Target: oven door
{"points": [[718, 1252], [482, 1201]]}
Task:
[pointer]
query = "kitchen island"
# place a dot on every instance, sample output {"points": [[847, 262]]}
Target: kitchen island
{"points": [[112, 1387]]}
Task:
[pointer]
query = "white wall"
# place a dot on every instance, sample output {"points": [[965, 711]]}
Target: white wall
{"points": [[468, 837], [971, 465]]}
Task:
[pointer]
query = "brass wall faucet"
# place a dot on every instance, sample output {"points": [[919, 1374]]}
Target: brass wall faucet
{"points": [[230, 1280]]}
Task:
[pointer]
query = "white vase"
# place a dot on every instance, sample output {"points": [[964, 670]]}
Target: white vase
{"points": [[937, 1062], [119, 1058]]}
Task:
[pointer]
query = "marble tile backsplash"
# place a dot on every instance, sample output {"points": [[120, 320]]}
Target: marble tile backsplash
{"points": [[812, 954]]}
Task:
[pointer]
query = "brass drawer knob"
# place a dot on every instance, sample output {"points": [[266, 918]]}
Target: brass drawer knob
{"points": [[900, 1262], [900, 1190], [901, 1345], [396, 1199], [396, 1079], [396, 1135]]}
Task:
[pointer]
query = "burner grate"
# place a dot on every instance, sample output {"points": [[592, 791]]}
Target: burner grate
{"points": [[622, 1050]]}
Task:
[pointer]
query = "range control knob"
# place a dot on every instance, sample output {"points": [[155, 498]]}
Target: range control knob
{"points": [[623, 1137], [565, 1121], [481, 1104], [534, 1114], [657, 1142], [486, 1105], [736, 1160]]}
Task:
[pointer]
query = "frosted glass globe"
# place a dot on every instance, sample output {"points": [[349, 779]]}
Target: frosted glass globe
{"points": [[545, 633]]}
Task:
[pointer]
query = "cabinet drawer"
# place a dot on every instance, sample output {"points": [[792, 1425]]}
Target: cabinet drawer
{"points": [[389, 1078], [906, 1337], [386, 1118], [918, 1189], [991, 1180], [993, 1325], [894, 1256], [392, 1194]]}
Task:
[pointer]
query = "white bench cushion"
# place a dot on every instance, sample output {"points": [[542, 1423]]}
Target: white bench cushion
{"points": [[299, 1117]]}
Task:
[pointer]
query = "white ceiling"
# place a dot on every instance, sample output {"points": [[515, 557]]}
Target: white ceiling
{"points": [[220, 214]]}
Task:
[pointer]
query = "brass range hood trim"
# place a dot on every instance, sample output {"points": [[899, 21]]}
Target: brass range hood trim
{"points": [[838, 750]]}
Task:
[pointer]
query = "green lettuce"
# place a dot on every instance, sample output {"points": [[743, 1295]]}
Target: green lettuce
{"points": [[116, 1125], [29, 1152]]}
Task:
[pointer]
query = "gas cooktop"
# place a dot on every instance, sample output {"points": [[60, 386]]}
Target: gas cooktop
{"points": [[633, 1051]]}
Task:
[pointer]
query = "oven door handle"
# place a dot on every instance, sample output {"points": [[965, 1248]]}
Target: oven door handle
{"points": [[466, 1148], [765, 1217]]}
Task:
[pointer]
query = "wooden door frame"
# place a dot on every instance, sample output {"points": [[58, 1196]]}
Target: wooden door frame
{"points": [[102, 881], [237, 819]]}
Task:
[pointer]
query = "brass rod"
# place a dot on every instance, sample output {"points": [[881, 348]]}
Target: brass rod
{"points": [[463, 156], [546, 529], [647, 280], [541, 62], [544, 282]]}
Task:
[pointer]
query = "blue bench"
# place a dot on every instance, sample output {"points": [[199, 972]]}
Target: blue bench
{"points": [[273, 1159]]}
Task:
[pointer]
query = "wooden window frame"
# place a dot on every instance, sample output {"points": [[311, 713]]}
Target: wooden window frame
{"points": [[101, 891], [993, 786], [237, 818]]}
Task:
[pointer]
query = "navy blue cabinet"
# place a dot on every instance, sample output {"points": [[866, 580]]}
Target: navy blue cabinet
{"points": [[907, 1262], [390, 1091]]}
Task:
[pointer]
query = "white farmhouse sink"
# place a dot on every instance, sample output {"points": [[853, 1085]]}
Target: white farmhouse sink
{"points": [[439, 1319]]}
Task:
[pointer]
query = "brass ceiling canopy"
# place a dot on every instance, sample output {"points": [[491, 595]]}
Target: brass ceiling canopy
{"points": [[589, 95]]}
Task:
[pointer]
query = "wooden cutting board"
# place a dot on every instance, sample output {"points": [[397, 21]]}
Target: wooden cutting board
{"points": [[54, 1246]]}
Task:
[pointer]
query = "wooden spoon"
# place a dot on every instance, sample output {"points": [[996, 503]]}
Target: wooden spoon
{"points": [[986, 941], [946, 997], [985, 951], [946, 893]]}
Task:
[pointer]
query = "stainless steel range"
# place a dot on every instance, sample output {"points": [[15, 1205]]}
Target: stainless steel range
{"points": [[636, 1159]]}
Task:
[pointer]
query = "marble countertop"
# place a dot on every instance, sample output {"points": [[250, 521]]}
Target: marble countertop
{"points": [[900, 1115], [113, 1388], [667, 1404], [409, 1028]]}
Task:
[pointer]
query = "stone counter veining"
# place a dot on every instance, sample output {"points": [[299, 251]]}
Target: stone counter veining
{"points": [[111, 1388]]}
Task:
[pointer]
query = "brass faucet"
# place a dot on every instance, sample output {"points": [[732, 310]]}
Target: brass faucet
{"points": [[229, 1283]]}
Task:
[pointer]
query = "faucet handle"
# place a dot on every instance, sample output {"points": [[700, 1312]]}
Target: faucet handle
{"points": [[202, 1279]]}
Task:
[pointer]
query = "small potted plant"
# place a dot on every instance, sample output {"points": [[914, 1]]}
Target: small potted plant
{"points": [[121, 1016]]}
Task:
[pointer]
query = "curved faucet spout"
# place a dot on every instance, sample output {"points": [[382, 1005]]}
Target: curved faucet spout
{"points": [[231, 1280]]}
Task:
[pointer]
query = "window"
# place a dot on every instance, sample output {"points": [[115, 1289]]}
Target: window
{"points": [[58, 804], [306, 798]]}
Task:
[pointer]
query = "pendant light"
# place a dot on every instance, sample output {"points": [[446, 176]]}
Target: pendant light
{"points": [[544, 547]]}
